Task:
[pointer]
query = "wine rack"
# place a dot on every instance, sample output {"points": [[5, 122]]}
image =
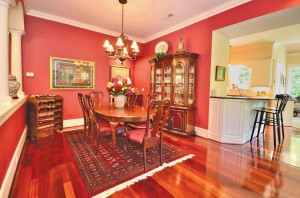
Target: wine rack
{"points": [[45, 115]]}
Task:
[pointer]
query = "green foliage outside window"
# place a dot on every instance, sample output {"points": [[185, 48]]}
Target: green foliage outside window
{"points": [[294, 81]]}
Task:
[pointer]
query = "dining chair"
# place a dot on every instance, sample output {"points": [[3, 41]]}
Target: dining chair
{"points": [[271, 116], [142, 125], [131, 100], [149, 137], [97, 96], [86, 117], [100, 127]]}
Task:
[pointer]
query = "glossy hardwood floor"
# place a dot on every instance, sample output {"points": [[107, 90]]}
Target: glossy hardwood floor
{"points": [[218, 170]]}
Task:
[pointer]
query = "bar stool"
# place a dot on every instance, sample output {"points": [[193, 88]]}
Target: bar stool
{"points": [[276, 119]]}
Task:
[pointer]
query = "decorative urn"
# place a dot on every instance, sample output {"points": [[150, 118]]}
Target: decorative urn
{"points": [[13, 86]]}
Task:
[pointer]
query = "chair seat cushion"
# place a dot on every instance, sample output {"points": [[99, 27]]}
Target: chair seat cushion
{"points": [[136, 124], [137, 135], [105, 127]]}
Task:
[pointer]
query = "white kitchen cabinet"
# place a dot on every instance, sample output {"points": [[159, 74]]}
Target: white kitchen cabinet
{"points": [[231, 120]]}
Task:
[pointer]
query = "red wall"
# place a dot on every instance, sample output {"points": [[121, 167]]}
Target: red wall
{"points": [[197, 38], [46, 38], [10, 134]]}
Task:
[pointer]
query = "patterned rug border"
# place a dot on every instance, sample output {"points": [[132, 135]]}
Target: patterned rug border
{"points": [[141, 177]]}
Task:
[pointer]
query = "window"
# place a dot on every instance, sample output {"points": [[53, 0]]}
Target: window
{"points": [[294, 81], [240, 76]]}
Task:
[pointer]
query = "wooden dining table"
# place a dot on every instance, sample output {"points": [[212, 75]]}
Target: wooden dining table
{"points": [[114, 115]]}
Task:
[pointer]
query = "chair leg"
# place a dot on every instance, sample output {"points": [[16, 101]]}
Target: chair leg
{"points": [[260, 122], [160, 149], [254, 126], [274, 131], [281, 117], [144, 156], [278, 127]]}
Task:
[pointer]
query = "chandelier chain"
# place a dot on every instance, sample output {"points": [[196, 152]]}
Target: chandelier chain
{"points": [[122, 17]]}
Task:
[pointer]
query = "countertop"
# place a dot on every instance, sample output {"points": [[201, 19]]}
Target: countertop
{"points": [[243, 97]]}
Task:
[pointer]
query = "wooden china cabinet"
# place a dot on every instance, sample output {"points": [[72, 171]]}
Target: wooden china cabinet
{"points": [[173, 77]]}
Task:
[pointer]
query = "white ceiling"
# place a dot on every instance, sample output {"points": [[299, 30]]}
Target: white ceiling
{"points": [[144, 20], [282, 27]]}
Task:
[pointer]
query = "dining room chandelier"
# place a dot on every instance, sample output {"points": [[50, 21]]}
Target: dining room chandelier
{"points": [[121, 51]]}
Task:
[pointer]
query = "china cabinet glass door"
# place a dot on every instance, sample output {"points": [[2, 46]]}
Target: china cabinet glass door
{"points": [[179, 84], [191, 91], [152, 82], [167, 82], [159, 82]]}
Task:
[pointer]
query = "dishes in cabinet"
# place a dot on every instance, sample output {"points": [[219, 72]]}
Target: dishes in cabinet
{"points": [[167, 80], [178, 100], [179, 80]]}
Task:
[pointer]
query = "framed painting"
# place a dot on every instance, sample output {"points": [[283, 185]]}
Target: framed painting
{"points": [[220, 73], [119, 72], [69, 74]]}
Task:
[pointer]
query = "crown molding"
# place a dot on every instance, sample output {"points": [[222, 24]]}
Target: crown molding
{"points": [[71, 22], [209, 13]]}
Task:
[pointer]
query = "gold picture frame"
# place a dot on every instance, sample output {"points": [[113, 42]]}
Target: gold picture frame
{"points": [[119, 72], [70, 74], [220, 73]]}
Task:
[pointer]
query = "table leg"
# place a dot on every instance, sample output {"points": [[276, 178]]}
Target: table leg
{"points": [[113, 133]]}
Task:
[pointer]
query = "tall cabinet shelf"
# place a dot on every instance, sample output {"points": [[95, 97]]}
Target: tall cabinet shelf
{"points": [[173, 77], [45, 115]]}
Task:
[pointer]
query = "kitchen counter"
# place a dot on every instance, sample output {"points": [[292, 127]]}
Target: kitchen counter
{"points": [[231, 118], [243, 97]]}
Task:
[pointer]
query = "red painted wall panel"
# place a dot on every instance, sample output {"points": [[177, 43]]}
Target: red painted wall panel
{"points": [[10, 134], [46, 38], [197, 38]]}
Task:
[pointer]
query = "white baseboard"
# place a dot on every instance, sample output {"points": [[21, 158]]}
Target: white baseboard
{"points": [[201, 132], [8, 179], [73, 122]]}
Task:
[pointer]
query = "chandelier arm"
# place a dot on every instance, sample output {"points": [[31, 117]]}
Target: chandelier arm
{"points": [[114, 57], [133, 57]]}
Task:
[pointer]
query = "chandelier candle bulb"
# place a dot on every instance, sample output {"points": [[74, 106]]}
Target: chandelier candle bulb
{"points": [[119, 42]]}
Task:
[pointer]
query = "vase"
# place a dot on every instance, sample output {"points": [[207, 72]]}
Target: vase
{"points": [[120, 101], [180, 46], [13, 86]]}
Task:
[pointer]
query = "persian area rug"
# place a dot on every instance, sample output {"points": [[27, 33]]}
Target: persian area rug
{"points": [[105, 172]]}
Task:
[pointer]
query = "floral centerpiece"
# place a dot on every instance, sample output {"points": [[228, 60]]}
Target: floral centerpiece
{"points": [[120, 88]]}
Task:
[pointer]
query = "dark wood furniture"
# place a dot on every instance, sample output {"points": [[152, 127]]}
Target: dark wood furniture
{"points": [[173, 77], [151, 136], [139, 99], [276, 119], [141, 125], [115, 115], [100, 127], [45, 115], [86, 116]]}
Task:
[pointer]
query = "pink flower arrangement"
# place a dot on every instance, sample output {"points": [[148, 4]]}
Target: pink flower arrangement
{"points": [[120, 86]]}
